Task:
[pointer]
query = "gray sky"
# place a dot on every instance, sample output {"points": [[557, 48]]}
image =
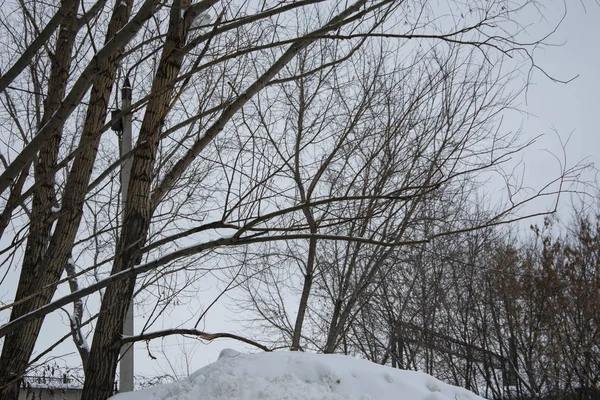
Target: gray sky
{"points": [[565, 112], [555, 110]]}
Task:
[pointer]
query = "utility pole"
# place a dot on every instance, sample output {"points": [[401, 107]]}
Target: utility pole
{"points": [[126, 365]]}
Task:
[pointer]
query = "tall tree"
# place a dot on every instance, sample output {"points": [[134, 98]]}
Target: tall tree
{"points": [[337, 135]]}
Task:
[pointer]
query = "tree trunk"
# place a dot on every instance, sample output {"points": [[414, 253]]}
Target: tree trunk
{"points": [[61, 243], [102, 364], [308, 278], [18, 346]]}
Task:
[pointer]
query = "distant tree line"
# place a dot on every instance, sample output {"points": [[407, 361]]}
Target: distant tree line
{"points": [[507, 316]]}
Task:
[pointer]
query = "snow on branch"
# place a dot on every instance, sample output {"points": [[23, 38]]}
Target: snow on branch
{"points": [[76, 317], [194, 332]]}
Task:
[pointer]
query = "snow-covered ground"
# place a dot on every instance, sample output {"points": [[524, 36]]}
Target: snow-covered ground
{"points": [[300, 376]]}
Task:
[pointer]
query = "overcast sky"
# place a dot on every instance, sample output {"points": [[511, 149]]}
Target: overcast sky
{"points": [[555, 111], [569, 111]]}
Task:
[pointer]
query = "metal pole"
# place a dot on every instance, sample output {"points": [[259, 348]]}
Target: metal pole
{"points": [[126, 365]]}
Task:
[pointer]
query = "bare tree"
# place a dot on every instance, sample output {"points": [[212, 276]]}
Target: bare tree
{"points": [[331, 130]]}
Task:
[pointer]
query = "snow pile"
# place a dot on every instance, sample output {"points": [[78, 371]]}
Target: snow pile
{"points": [[300, 376]]}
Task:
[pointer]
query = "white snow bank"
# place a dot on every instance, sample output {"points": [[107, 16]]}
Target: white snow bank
{"points": [[300, 376]]}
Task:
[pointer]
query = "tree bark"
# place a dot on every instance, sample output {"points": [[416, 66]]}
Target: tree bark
{"points": [[43, 37], [60, 245], [74, 97], [307, 285], [18, 346], [100, 372]]}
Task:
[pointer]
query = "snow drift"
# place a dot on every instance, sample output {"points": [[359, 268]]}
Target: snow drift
{"points": [[300, 376]]}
